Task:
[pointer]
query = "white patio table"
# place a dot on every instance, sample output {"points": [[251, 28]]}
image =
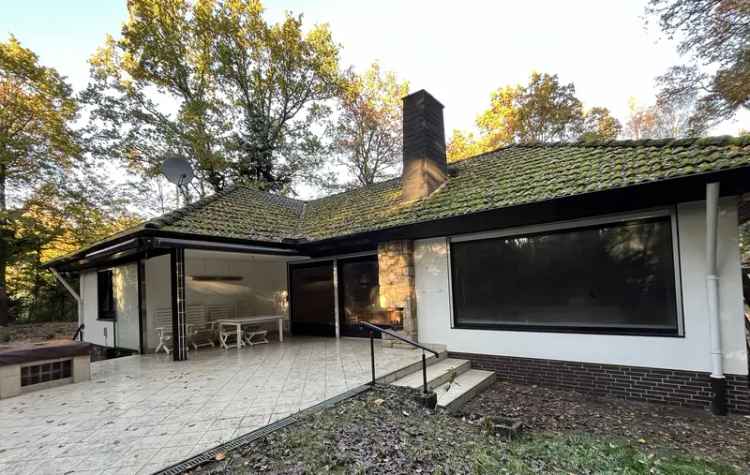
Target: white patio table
{"points": [[238, 322]]}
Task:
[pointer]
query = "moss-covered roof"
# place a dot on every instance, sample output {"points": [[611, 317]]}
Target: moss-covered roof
{"points": [[510, 176], [239, 212], [523, 174]]}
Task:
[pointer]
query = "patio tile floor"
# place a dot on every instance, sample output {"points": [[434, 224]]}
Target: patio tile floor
{"points": [[142, 413]]}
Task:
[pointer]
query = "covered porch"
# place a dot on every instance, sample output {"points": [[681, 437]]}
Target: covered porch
{"points": [[193, 300], [182, 296]]}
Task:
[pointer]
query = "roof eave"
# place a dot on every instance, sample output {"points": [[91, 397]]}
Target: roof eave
{"points": [[148, 239]]}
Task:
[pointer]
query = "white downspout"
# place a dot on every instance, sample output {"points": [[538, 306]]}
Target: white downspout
{"points": [[718, 383]]}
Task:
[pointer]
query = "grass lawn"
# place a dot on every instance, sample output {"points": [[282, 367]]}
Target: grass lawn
{"points": [[384, 431]]}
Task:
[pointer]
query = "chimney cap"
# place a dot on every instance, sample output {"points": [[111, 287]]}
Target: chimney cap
{"points": [[422, 93]]}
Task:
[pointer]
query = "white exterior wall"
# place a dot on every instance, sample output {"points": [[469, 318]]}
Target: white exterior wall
{"points": [[691, 352], [125, 287], [94, 331]]}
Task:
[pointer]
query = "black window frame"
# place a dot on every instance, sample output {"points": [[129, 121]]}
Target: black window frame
{"points": [[589, 223], [105, 314]]}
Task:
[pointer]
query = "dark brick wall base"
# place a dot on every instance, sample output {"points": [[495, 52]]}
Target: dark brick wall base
{"points": [[682, 388]]}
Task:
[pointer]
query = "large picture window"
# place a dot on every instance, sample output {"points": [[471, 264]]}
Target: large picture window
{"points": [[616, 277]]}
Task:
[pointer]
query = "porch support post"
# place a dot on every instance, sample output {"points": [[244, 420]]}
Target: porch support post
{"points": [[179, 322], [336, 309], [141, 276]]}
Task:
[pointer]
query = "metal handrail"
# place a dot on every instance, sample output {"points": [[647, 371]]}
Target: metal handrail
{"points": [[405, 340], [399, 337], [79, 331]]}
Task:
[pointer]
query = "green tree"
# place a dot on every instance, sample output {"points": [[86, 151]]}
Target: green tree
{"points": [[55, 219], [152, 94], [463, 145], [599, 125], [277, 80], [544, 110], [36, 139], [641, 122], [245, 94], [671, 116], [714, 36], [547, 111], [367, 133], [677, 115]]}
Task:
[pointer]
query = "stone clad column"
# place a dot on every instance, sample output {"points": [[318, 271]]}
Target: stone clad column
{"points": [[396, 281]]}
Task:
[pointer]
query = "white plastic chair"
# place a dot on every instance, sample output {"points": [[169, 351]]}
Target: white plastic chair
{"points": [[163, 320], [200, 330]]}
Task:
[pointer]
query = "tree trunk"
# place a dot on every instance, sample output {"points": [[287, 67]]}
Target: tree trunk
{"points": [[37, 307], [4, 315]]}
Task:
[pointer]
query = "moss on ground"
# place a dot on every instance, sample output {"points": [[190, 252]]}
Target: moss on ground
{"points": [[384, 431]]}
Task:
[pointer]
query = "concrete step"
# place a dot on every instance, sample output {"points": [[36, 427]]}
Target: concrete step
{"points": [[437, 374], [394, 343], [453, 394], [407, 370]]}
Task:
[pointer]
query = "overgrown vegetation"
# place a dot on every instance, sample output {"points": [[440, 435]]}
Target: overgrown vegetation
{"points": [[385, 431], [586, 454]]}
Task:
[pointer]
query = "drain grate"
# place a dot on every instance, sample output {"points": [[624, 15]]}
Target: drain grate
{"points": [[210, 455]]}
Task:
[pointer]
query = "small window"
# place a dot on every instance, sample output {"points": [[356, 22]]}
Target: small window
{"points": [[106, 295], [611, 278]]}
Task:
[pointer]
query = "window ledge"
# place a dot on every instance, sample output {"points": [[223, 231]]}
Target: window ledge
{"points": [[640, 332]]}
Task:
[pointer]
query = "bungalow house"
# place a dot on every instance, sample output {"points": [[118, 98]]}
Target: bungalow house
{"points": [[610, 267]]}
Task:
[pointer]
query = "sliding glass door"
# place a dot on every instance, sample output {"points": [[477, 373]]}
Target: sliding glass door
{"points": [[312, 302], [313, 298]]}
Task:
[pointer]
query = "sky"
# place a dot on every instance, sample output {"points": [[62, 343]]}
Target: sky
{"points": [[458, 51]]}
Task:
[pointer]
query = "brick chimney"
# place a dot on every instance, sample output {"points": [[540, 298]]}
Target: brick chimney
{"points": [[425, 164]]}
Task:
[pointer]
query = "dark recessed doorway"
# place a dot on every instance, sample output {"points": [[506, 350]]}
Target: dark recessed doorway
{"points": [[312, 299], [359, 296]]}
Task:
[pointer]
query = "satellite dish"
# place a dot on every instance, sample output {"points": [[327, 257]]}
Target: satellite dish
{"points": [[177, 170]]}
